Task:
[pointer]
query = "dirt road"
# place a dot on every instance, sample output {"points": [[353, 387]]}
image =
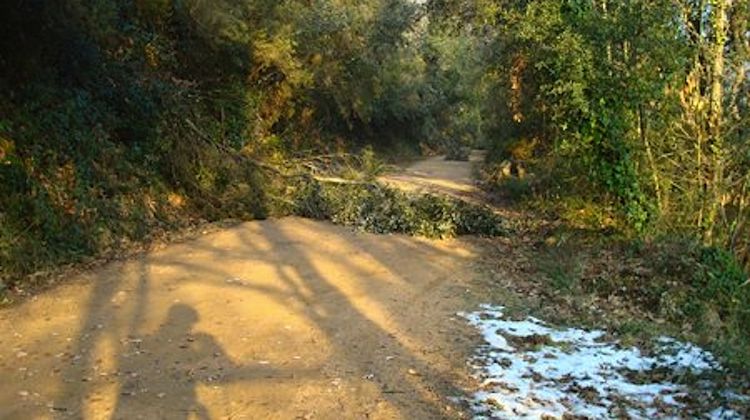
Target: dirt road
{"points": [[283, 319], [437, 175]]}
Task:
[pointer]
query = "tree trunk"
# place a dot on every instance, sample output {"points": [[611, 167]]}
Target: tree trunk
{"points": [[716, 115], [642, 131]]}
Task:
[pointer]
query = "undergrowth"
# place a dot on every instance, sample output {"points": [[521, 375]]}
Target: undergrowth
{"points": [[665, 285], [93, 194], [380, 209], [707, 292], [645, 281]]}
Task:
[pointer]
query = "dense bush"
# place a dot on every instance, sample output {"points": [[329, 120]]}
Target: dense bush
{"points": [[376, 208], [640, 104], [721, 285]]}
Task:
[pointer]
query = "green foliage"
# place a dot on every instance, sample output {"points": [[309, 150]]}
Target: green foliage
{"points": [[371, 165], [723, 285], [453, 121], [628, 102], [612, 164], [704, 290], [719, 302], [379, 209], [570, 77]]}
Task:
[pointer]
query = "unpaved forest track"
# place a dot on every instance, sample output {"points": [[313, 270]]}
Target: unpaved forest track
{"points": [[286, 318], [440, 176]]}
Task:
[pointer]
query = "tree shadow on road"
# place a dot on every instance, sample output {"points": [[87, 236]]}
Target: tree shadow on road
{"points": [[147, 352]]}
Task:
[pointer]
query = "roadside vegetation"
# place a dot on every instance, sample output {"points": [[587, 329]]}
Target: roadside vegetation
{"points": [[622, 128]]}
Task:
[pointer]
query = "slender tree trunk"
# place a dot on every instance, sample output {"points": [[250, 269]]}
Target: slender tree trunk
{"points": [[716, 114], [642, 131]]}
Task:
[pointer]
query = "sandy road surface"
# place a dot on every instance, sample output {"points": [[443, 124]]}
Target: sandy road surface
{"points": [[276, 319], [437, 175]]}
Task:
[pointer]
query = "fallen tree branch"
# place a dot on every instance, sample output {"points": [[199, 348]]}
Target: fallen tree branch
{"points": [[203, 136], [263, 165]]}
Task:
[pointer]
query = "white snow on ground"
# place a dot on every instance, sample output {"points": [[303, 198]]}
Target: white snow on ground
{"points": [[577, 372]]}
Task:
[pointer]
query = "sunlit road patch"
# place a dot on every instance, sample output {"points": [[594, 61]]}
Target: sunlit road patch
{"points": [[529, 369]]}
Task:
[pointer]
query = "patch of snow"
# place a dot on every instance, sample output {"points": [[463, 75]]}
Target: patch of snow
{"points": [[577, 372]]}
